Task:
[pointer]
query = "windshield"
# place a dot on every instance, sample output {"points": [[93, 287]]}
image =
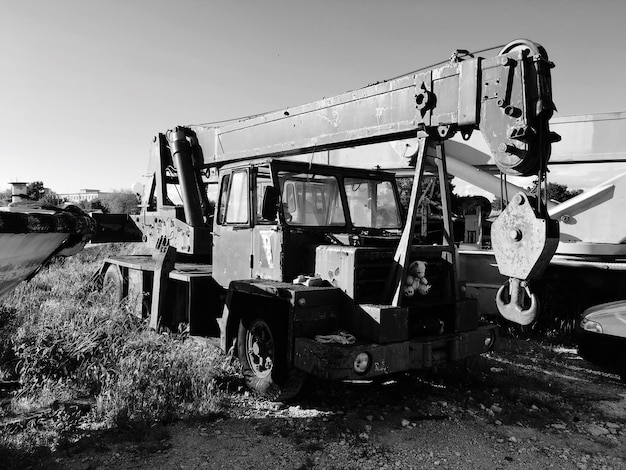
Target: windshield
{"points": [[315, 200], [310, 200], [372, 203]]}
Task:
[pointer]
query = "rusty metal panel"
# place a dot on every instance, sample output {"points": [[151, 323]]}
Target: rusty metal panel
{"points": [[336, 361], [360, 120], [368, 114], [381, 323], [267, 250], [231, 253], [361, 272], [331, 361], [136, 293], [115, 228], [446, 89], [468, 92]]}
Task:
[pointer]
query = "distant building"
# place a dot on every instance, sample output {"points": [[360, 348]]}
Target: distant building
{"points": [[18, 191], [83, 195]]}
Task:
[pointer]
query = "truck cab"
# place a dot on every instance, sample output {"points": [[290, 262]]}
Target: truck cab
{"points": [[272, 215]]}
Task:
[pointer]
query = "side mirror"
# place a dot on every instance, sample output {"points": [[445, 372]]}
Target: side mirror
{"points": [[269, 210]]}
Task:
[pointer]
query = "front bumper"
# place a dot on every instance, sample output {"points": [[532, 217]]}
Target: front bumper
{"points": [[334, 361], [598, 348]]}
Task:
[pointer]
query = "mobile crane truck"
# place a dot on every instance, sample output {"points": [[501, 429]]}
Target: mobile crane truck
{"points": [[305, 268]]}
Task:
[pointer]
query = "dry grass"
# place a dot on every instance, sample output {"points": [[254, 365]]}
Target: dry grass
{"points": [[66, 342]]}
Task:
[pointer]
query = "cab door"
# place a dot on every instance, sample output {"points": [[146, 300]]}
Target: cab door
{"points": [[267, 238], [232, 236]]}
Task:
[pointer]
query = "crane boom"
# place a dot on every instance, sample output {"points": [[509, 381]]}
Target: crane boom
{"points": [[507, 97]]}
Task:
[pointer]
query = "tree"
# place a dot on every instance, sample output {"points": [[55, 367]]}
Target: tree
{"points": [[559, 192], [93, 205], [555, 191], [35, 190], [120, 202], [5, 197]]}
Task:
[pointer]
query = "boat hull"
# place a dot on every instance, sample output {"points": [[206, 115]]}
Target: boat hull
{"points": [[21, 255], [31, 235]]}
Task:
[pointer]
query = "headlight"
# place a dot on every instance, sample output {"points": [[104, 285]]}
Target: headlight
{"points": [[361, 363], [490, 339], [590, 325]]}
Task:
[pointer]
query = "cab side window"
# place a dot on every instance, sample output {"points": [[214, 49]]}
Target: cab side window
{"points": [[234, 200], [263, 180], [221, 212]]}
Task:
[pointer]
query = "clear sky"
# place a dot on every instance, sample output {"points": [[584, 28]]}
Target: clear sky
{"points": [[86, 83]]}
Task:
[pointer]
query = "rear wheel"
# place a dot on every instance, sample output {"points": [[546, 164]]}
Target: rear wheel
{"points": [[113, 283], [262, 351]]}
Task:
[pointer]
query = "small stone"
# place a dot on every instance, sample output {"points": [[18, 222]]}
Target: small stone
{"points": [[513, 439], [364, 436], [496, 409], [496, 370], [596, 430], [534, 408], [498, 422], [369, 417], [559, 426], [406, 423]]}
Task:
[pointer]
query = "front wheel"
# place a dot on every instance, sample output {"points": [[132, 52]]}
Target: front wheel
{"points": [[263, 355]]}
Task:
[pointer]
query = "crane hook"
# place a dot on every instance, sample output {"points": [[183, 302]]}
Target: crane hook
{"points": [[514, 310]]}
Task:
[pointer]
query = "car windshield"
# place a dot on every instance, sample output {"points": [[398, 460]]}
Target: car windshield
{"points": [[314, 200], [372, 203]]}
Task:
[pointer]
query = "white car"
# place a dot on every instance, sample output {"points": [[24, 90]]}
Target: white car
{"points": [[601, 336]]}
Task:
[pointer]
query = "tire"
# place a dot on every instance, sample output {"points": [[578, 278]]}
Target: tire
{"points": [[262, 351], [113, 284]]}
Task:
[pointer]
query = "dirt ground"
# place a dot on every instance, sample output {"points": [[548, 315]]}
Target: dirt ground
{"points": [[526, 406]]}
